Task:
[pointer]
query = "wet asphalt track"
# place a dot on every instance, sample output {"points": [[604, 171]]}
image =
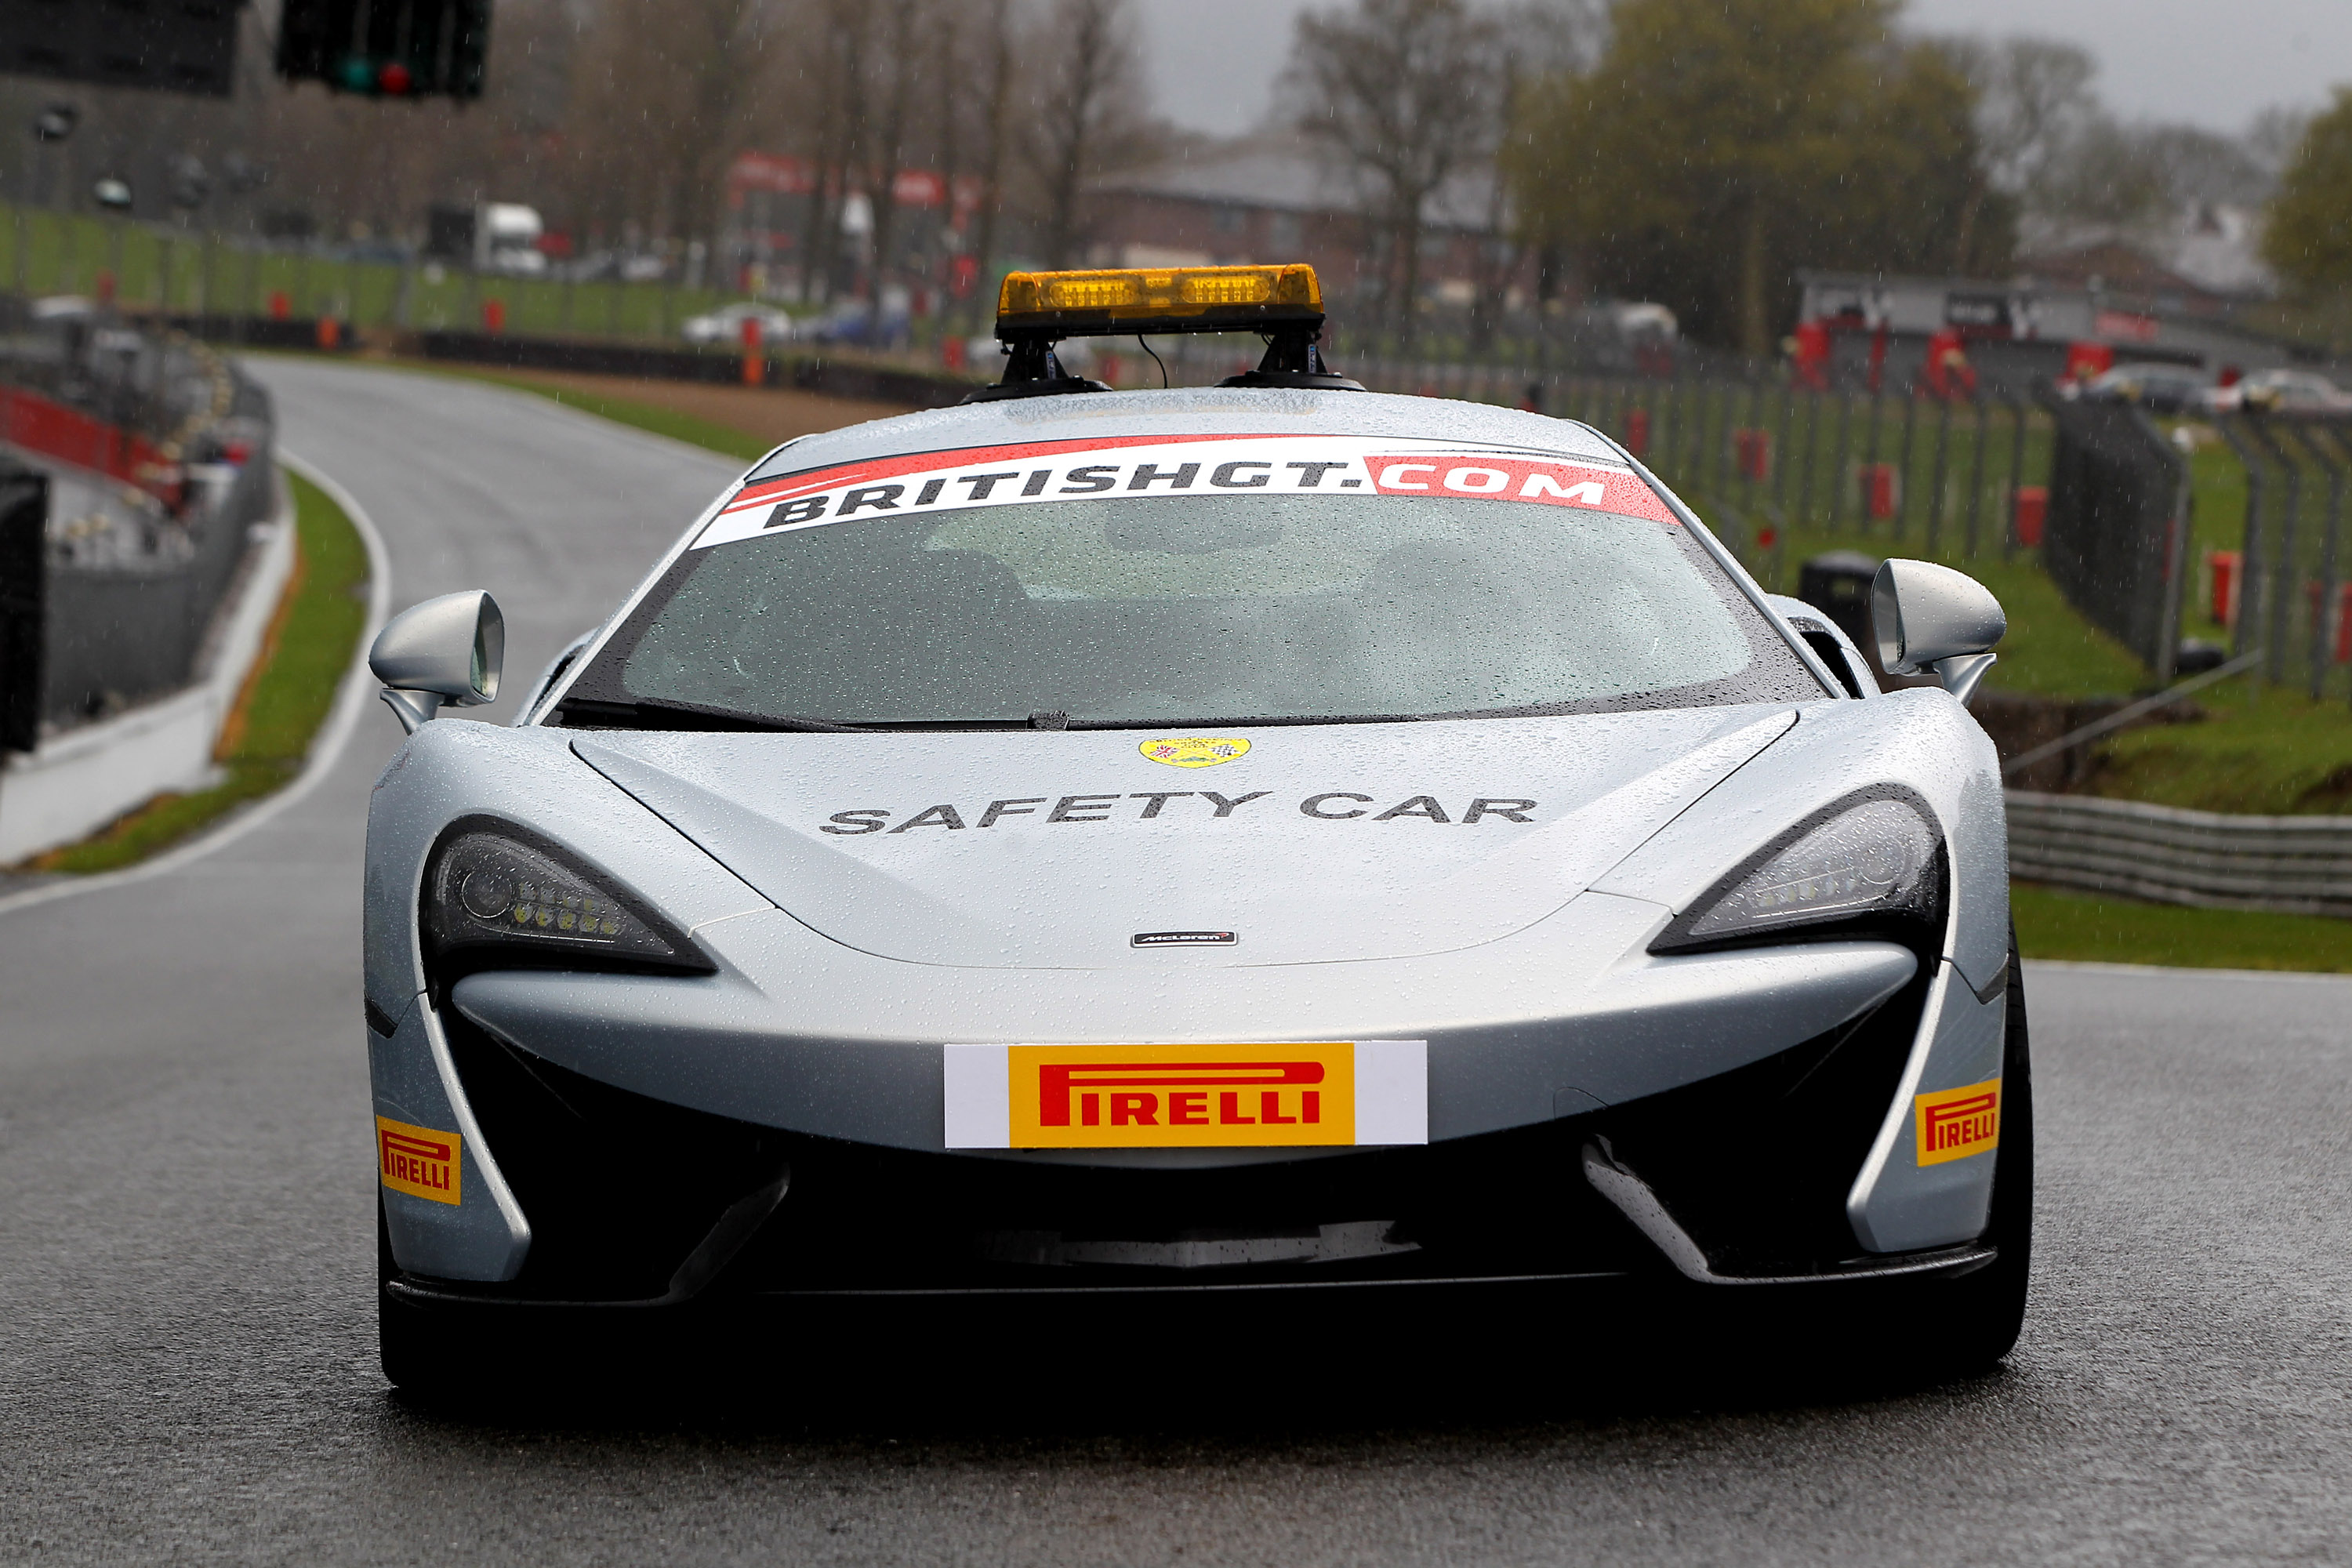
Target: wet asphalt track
{"points": [[187, 1359]]}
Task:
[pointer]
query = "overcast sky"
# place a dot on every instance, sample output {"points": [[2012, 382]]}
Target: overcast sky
{"points": [[2215, 62]]}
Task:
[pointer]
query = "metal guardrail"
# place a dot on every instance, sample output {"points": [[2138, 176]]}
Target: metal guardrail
{"points": [[2298, 865]]}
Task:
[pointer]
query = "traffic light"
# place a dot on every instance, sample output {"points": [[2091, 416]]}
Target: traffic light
{"points": [[171, 45], [386, 49]]}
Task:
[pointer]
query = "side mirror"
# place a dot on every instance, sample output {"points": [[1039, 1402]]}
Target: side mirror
{"points": [[1932, 617], [444, 650]]}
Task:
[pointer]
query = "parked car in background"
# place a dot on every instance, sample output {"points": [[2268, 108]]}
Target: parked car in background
{"points": [[2160, 388], [725, 325], [853, 322], [2282, 390]]}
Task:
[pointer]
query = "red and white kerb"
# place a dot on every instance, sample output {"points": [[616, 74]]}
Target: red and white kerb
{"points": [[1127, 467]]}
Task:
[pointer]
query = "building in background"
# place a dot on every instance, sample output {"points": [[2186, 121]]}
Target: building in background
{"points": [[1270, 198]]}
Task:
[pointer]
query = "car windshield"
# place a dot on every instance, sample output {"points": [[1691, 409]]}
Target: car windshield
{"points": [[1170, 610]]}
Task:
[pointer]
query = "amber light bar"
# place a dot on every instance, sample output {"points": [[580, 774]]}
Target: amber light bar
{"points": [[1119, 301]]}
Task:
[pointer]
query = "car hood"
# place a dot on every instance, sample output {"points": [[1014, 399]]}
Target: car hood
{"points": [[1057, 850]]}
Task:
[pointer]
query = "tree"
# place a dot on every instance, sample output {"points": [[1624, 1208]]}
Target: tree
{"points": [[889, 154], [2032, 96], [992, 168], [2309, 240], [1086, 93], [1719, 143], [1405, 94]]}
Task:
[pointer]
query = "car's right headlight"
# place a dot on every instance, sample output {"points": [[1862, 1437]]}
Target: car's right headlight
{"points": [[491, 885], [1876, 860]]}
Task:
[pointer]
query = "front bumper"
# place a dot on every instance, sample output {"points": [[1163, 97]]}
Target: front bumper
{"points": [[635, 1202]]}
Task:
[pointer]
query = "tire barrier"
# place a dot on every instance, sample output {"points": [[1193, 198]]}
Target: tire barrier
{"points": [[2294, 864]]}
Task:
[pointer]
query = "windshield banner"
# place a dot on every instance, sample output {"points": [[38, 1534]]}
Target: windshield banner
{"points": [[1127, 467]]}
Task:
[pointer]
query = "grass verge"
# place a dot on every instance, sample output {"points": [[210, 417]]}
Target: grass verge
{"points": [[2052, 923], [268, 732]]}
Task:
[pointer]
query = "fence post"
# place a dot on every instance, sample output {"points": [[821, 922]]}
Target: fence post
{"points": [[1779, 458], [2323, 610], [2018, 409], [2278, 599], [1904, 487], [1697, 464], [1805, 491], [1976, 477], [2249, 552], [1936, 485], [1667, 428], [1733, 418], [1837, 464], [2176, 550], [1870, 454]]}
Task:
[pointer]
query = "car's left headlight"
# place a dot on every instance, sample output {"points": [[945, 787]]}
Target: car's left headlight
{"points": [[1876, 860], [492, 885]]}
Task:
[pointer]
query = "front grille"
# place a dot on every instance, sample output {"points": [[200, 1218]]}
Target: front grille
{"points": [[620, 1189]]}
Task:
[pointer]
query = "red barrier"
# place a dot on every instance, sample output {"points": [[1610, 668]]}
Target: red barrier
{"points": [[1752, 450], [2032, 507], [1882, 491], [2085, 359], [70, 436], [2223, 577]]}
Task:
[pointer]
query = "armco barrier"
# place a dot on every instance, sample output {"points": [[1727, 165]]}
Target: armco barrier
{"points": [[2300, 865]]}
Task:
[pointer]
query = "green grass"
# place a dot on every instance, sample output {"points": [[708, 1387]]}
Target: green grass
{"points": [[2262, 752], [268, 734], [2079, 926]]}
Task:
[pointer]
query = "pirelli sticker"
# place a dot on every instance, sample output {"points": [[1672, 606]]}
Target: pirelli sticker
{"points": [[1954, 1123], [1187, 1097], [1128, 467], [418, 1161]]}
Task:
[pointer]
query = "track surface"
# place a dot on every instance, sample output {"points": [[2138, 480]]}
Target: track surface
{"points": [[187, 1360]]}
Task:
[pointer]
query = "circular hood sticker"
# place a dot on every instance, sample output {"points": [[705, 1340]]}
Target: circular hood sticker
{"points": [[1195, 750]]}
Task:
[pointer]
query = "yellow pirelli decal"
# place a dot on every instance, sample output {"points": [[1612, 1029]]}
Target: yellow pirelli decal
{"points": [[418, 1161], [1954, 1123], [1159, 1096]]}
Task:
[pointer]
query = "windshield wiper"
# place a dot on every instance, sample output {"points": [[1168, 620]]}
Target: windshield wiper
{"points": [[633, 714]]}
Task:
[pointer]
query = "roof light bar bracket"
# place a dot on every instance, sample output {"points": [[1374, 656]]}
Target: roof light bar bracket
{"points": [[1293, 357], [1034, 370]]}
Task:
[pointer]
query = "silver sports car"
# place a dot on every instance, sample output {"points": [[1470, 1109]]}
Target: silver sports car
{"points": [[1084, 845]]}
